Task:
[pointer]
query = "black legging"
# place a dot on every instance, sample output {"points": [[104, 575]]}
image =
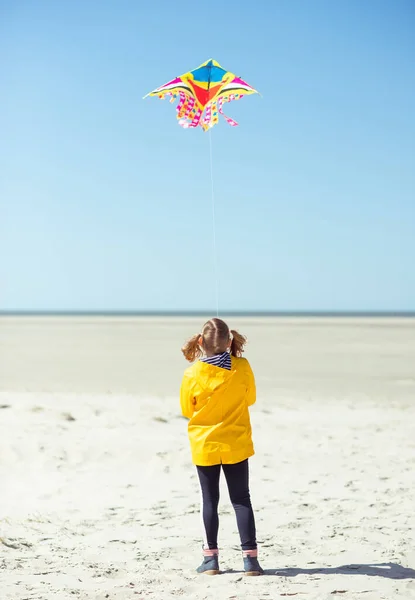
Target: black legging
{"points": [[237, 478]]}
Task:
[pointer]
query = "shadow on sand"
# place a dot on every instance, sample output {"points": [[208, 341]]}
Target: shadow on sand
{"points": [[388, 570]]}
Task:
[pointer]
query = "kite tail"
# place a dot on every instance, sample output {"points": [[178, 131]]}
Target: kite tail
{"points": [[190, 115], [222, 101], [211, 116]]}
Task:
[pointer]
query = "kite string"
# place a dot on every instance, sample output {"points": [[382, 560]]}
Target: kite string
{"points": [[215, 260]]}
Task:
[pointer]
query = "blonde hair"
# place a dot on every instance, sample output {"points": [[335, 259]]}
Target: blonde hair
{"points": [[215, 339]]}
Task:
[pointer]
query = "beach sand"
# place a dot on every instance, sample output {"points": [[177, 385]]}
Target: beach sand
{"points": [[98, 496]]}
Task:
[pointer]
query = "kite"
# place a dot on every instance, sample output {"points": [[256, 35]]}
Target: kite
{"points": [[202, 94]]}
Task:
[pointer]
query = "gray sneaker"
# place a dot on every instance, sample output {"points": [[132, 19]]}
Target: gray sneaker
{"points": [[252, 566], [209, 566]]}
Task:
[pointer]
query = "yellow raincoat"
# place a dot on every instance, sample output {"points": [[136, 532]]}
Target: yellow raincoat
{"points": [[216, 401]]}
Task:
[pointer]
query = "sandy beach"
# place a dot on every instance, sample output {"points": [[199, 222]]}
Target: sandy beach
{"points": [[98, 496]]}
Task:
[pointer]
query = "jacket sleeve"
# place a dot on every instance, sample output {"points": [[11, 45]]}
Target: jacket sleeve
{"points": [[251, 386], [186, 398]]}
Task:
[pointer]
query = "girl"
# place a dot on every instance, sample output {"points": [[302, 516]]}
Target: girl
{"points": [[215, 395]]}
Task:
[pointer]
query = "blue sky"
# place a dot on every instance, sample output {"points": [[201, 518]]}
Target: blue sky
{"points": [[105, 201]]}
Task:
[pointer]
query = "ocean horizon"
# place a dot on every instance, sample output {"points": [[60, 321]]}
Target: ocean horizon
{"points": [[207, 313]]}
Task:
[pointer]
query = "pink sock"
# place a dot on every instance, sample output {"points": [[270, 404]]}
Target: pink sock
{"points": [[210, 552]]}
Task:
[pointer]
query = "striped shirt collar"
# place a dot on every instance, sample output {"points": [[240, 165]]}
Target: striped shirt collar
{"points": [[223, 361]]}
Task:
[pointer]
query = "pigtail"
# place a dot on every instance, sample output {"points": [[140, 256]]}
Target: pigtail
{"points": [[191, 349], [238, 343]]}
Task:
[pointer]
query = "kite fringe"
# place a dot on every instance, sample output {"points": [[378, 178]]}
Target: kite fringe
{"points": [[190, 116]]}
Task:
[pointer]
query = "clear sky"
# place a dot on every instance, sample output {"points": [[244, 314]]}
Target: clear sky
{"points": [[105, 201]]}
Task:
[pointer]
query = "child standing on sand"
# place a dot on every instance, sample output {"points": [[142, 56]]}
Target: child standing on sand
{"points": [[215, 395]]}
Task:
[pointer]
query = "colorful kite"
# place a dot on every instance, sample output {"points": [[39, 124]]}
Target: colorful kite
{"points": [[202, 94]]}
